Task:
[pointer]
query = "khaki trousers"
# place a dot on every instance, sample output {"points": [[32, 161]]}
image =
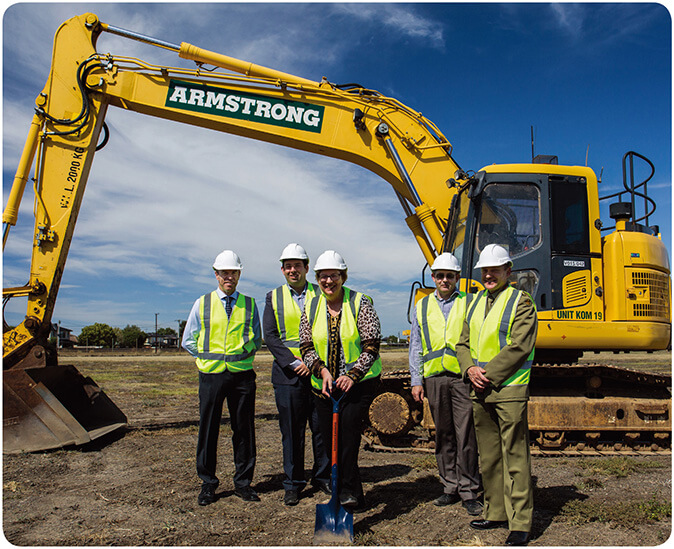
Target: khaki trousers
{"points": [[503, 444]]}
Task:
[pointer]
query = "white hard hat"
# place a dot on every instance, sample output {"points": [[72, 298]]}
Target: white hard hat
{"points": [[330, 259], [227, 261], [294, 251], [446, 262], [493, 255]]}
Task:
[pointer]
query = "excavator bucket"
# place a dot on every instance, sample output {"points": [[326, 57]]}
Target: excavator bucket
{"points": [[54, 406]]}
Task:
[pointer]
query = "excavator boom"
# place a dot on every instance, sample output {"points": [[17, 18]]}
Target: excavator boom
{"points": [[350, 123]]}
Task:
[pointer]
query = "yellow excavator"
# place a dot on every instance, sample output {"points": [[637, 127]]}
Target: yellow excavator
{"points": [[592, 293]]}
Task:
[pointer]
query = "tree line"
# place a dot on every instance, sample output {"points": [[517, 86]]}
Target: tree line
{"points": [[103, 335], [131, 336]]}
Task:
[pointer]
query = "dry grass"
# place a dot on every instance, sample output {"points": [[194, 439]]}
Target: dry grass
{"points": [[626, 514], [618, 467]]}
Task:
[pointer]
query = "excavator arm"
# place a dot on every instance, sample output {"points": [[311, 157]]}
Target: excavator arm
{"points": [[347, 122], [350, 123]]}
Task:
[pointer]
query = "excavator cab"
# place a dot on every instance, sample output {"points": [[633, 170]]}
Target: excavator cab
{"points": [[548, 245], [547, 217]]}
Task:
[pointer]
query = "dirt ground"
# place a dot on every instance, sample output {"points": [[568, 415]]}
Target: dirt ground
{"points": [[138, 486]]}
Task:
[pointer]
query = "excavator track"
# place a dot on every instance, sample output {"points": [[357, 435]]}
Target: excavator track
{"points": [[574, 410], [423, 444]]}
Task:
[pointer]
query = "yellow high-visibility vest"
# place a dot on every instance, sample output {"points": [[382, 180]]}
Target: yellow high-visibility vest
{"points": [[225, 343], [317, 315], [287, 313], [439, 336], [491, 334]]}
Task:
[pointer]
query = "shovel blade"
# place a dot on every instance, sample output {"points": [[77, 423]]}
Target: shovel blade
{"points": [[334, 524]]}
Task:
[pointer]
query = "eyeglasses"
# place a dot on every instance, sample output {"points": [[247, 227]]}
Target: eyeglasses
{"points": [[227, 274], [287, 266], [332, 277], [443, 276]]}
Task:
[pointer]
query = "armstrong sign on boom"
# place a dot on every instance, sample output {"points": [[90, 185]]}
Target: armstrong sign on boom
{"points": [[244, 106]]}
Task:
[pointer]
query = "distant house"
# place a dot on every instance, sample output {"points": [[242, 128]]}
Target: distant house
{"points": [[64, 336], [154, 340]]}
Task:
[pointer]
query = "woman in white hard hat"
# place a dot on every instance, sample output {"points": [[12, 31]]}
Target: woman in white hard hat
{"points": [[339, 342]]}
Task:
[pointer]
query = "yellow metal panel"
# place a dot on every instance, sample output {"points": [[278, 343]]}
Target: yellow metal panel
{"points": [[647, 295], [590, 335], [576, 289]]}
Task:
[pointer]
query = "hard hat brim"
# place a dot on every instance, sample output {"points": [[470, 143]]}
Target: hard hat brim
{"points": [[492, 264]]}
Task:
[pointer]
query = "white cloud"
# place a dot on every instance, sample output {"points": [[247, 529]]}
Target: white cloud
{"points": [[400, 18], [569, 17], [164, 198], [195, 192]]}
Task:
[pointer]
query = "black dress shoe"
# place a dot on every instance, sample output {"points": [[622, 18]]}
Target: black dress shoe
{"points": [[291, 497], [488, 524], [517, 538], [247, 494], [473, 507], [322, 486], [207, 495], [446, 499]]}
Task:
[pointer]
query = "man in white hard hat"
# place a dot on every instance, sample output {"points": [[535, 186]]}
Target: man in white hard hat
{"points": [[290, 376], [223, 333], [435, 372], [496, 351]]}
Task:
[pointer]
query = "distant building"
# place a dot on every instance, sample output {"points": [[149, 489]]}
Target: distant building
{"points": [[64, 337], [154, 340]]}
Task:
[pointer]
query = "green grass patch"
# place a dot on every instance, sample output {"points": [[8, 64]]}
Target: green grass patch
{"points": [[366, 539], [169, 390], [619, 467], [588, 484], [426, 462], [626, 514]]}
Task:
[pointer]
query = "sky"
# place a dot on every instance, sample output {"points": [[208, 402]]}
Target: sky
{"points": [[163, 199]]}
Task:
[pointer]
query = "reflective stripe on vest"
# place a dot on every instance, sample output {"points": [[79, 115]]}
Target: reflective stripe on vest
{"points": [[225, 343], [287, 313], [439, 336], [491, 334], [317, 315]]}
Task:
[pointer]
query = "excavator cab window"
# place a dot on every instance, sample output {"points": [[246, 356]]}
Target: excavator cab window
{"points": [[508, 214], [511, 217], [569, 216]]}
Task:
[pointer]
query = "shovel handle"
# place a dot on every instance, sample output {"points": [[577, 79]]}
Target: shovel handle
{"points": [[335, 438], [335, 434], [335, 422]]}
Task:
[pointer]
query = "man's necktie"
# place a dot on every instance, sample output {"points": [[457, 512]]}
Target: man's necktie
{"points": [[228, 305]]}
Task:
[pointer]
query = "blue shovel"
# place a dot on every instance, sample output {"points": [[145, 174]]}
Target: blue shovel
{"points": [[333, 522]]}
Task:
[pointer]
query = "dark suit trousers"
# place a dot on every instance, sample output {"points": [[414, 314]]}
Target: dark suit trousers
{"points": [[354, 408], [239, 391], [455, 442], [295, 408]]}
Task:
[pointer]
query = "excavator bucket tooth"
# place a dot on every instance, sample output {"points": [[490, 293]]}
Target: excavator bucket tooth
{"points": [[54, 406]]}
